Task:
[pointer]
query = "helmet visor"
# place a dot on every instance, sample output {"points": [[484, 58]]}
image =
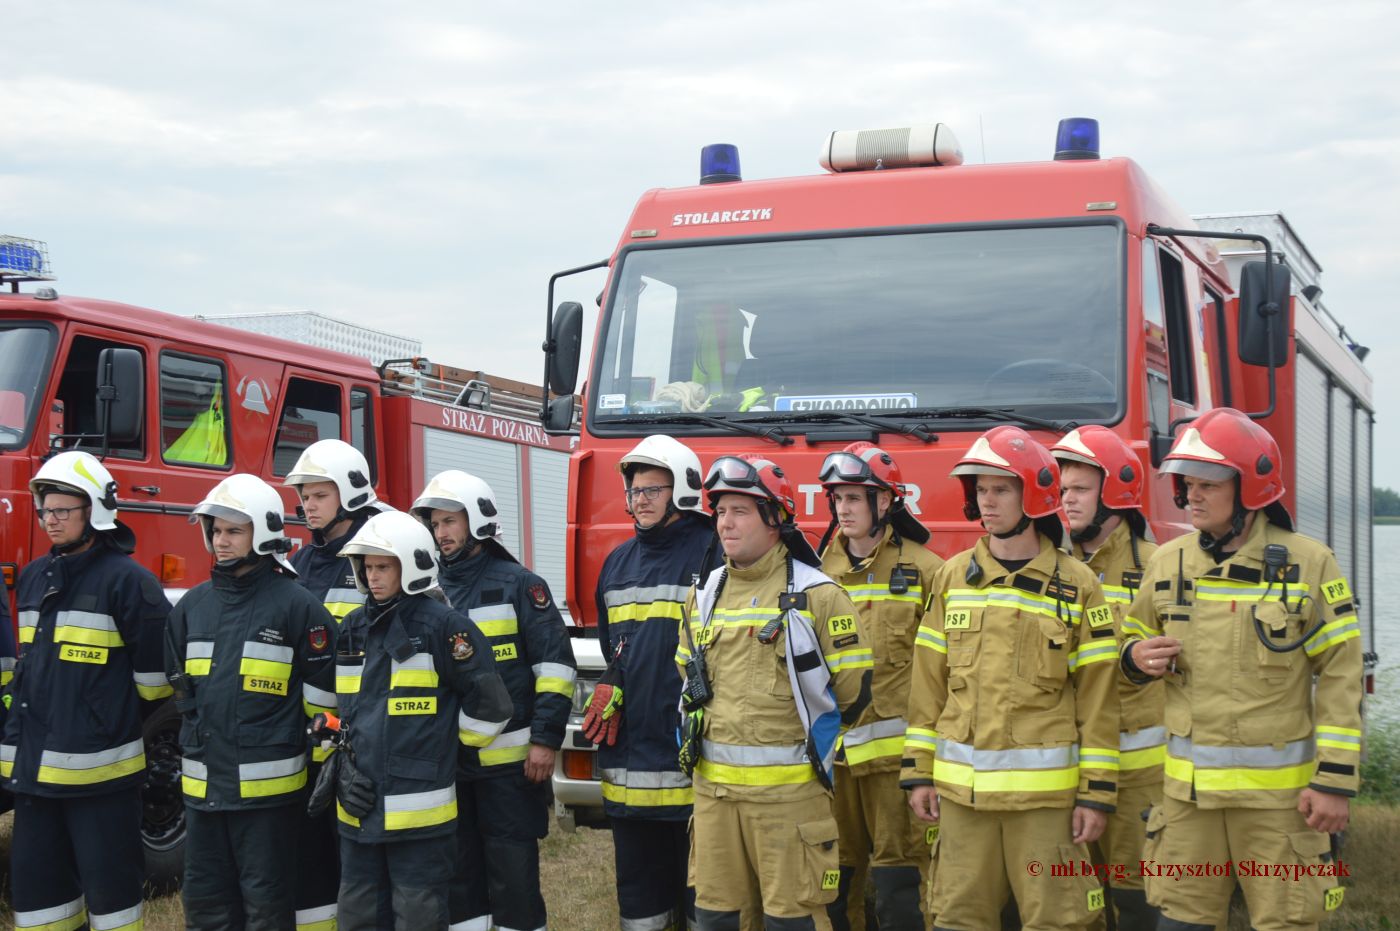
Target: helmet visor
{"points": [[1207, 471], [733, 472], [209, 509], [843, 468]]}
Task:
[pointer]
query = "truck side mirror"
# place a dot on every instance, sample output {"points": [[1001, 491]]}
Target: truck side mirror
{"points": [[559, 416], [562, 350], [1265, 318], [120, 394]]}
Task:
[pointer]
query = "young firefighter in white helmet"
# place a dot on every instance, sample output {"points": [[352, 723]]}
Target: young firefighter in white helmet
{"points": [[332, 481], [632, 714], [414, 679], [503, 787], [877, 554], [250, 654], [91, 622]]}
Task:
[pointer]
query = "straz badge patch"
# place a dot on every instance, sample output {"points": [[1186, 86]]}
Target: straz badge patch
{"points": [[317, 638], [462, 648], [539, 595]]}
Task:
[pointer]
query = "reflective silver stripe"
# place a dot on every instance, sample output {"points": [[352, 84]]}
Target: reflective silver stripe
{"points": [[91, 760], [492, 613], [478, 726], [894, 727], [509, 739], [1088, 760], [479, 923], [7, 752], [420, 801], [1292, 754], [1329, 733], [416, 661], [45, 916], [199, 649], [309, 916], [30, 619], [554, 671], [247, 772], [627, 596], [634, 779], [351, 596], [194, 769], [151, 680], [504, 928], [654, 923], [739, 755], [1143, 739], [253, 649], [113, 920], [319, 697], [950, 751], [88, 620]]}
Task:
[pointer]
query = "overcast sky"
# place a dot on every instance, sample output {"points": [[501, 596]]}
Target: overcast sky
{"points": [[424, 167]]}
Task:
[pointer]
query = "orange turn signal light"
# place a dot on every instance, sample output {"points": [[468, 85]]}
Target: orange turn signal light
{"points": [[578, 764], [172, 567]]}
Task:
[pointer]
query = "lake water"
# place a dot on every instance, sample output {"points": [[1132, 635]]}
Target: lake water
{"points": [[1386, 702]]}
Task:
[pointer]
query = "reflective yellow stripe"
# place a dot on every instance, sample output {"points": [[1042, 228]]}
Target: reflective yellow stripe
{"points": [[498, 755], [345, 816], [755, 775], [874, 749], [419, 810], [671, 610], [413, 679], [1239, 779], [1339, 738], [1339, 631], [850, 659], [321, 918], [128, 919], [274, 777], [1004, 596], [194, 788], [1212, 589], [648, 798], [88, 637], [868, 592], [560, 686], [1099, 758], [264, 668], [339, 609], [154, 692], [1092, 653], [504, 627], [1117, 594], [922, 739], [56, 775], [1006, 780], [931, 639], [1142, 759], [347, 683], [63, 917]]}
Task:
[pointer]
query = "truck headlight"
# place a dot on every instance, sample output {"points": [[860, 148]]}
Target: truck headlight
{"points": [[583, 690]]}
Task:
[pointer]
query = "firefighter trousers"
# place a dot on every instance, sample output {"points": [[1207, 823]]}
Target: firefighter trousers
{"points": [[410, 876], [77, 859], [878, 827], [318, 866], [651, 857], [781, 853], [1118, 851], [1193, 857], [500, 820], [984, 856], [240, 869]]}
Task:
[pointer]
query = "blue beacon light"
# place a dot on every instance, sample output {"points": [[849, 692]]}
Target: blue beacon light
{"points": [[1077, 138], [719, 163]]}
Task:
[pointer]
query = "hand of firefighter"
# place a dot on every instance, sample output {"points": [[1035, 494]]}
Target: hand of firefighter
{"points": [[601, 720], [924, 801], [1324, 811], [323, 727], [1087, 824], [1154, 656], [355, 791]]}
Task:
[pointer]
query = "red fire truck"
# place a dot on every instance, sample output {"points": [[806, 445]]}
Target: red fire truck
{"points": [[176, 404], [908, 299]]}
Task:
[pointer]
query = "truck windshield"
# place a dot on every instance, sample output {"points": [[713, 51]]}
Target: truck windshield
{"points": [[24, 360], [1023, 319]]}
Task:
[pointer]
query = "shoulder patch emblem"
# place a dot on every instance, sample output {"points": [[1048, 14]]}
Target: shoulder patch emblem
{"points": [[1100, 615], [539, 595], [462, 648], [317, 639]]}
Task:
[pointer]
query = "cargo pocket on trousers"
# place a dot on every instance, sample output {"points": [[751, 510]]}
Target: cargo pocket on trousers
{"points": [[1312, 896], [820, 870], [1088, 895], [1151, 849]]}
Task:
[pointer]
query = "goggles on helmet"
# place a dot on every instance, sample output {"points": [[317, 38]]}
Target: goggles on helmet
{"points": [[735, 473], [848, 469]]}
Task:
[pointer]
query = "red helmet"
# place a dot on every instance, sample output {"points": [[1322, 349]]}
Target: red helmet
{"points": [[1222, 444], [1009, 450], [1101, 448], [755, 476], [862, 464]]}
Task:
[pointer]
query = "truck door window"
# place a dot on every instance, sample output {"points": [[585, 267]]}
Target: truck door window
{"points": [[1179, 343], [1222, 346], [193, 398], [310, 412], [24, 361], [362, 428], [77, 391]]}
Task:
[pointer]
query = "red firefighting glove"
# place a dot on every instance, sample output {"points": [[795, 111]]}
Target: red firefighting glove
{"points": [[604, 714]]}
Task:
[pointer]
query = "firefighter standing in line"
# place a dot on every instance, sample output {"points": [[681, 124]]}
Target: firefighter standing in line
{"points": [[1013, 717], [91, 622], [503, 788], [1101, 489], [413, 678], [773, 662], [1253, 627], [641, 591], [250, 656], [877, 554], [332, 481]]}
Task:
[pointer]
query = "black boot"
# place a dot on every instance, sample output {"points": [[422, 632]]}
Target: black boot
{"points": [[1134, 914], [897, 898]]}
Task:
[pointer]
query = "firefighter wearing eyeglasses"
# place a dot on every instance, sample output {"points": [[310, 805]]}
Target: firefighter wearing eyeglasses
{"points": [[1012, 745], [632, 714], [773, 663], [1101, 489], [91, 625], [874, 547], [1253, 629]]}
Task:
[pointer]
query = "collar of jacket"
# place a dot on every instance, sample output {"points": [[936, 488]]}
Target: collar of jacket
{"points": [[75, 563], [1117, 540], [465, 571], [332, 547], [1252, 549], [993, 571], [770, 563], [855, 566], [226, 582], [663, 535]]}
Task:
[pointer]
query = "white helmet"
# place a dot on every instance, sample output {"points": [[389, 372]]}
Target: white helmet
{"points": [[455, 490], [339, 462], [395, 534], [669, 453], [244, 499], [84, 475]]}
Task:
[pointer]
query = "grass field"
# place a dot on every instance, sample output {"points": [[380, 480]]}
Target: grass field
{"points": [[577, 872]]}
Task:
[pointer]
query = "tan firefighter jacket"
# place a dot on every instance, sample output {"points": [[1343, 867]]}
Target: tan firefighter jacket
{"points": [[1014, 702], [1246, 726], [890, 607], [1142, 737]]}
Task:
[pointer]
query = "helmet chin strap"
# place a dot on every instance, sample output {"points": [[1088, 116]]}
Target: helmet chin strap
{"points": [[1016, 531], [1214, 545], [88, 536], [466, 551], [233, 565], [1095, 526], [654, 528]]}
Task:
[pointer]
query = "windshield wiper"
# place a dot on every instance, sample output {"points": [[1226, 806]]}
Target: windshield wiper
{"points": [[993, 413], [734, 426], [885, 423]]}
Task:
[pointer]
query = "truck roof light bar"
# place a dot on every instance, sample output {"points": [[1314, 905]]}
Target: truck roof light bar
{"points": [[922, 146], [23, 260]]}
